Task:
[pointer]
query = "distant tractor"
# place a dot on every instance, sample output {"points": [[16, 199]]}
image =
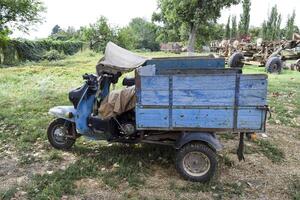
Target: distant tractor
{"points": [[269, 55]]}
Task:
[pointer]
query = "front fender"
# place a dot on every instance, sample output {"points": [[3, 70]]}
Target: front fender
{"points": [[64, 112], [206, 137]]}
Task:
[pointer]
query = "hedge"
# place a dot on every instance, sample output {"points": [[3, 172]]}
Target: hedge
{"points": [[23, 50]]}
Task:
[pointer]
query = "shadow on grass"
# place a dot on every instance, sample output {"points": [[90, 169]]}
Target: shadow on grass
{"points": [[114, 165]]}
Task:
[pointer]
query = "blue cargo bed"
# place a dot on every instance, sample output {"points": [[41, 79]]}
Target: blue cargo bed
{"points": [[192, 94]]}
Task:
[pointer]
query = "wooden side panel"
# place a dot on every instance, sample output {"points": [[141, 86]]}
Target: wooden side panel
{"points": [[253, 90], [202, 118], [187, 63], [152, 118], [203, 90], [250, 118], [155, 90]]}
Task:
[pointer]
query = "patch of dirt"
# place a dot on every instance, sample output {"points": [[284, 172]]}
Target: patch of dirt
{"points": [[259, 176], [266, 180], [92, 189], [15, 174]]}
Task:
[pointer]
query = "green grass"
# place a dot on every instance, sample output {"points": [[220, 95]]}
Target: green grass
{"points": [[220, 190], [8, 194], [114, 165], [27, 92], [270, 150], [295, 187]]}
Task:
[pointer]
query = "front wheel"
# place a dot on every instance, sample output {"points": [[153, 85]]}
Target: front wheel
{"points": [[196, 162], [60, 134]]}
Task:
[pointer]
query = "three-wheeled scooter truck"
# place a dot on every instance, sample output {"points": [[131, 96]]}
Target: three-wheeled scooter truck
{"points": [[182, 102]]}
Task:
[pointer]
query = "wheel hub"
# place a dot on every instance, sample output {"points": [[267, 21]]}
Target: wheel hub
{"points": [[59, 135], [196, 163]]}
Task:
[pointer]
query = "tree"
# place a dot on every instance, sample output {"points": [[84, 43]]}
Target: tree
{"points": [[126, 38], [56, 29], [271, 28], [290, 26], [245, 18], [193, 13], [254, 32], [98, 34], [145, 34], [227, 29], [233, 27], [19, 14]]}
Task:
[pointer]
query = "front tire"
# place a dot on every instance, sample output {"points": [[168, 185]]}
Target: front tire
{"points": [[59, 134], [196, 162]]}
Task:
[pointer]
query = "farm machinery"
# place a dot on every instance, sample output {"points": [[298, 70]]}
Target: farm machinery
{"points": [[271, 55]]}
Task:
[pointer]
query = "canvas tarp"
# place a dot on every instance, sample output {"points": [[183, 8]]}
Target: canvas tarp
{"points": [[117, 59], [117, 102]]}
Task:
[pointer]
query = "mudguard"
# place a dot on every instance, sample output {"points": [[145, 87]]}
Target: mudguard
{"points": [[206, 137], [63, 112]]}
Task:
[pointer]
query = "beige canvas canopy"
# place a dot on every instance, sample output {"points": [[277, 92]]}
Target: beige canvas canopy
{"points": [[117, 59]]}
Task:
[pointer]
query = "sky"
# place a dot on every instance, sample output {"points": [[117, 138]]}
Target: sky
{"points": [[78, 13]]}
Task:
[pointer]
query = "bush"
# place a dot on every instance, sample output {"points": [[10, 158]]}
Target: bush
{"points": [[27, 50], [53, 55]]}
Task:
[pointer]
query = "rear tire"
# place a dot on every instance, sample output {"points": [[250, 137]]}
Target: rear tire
{"points": [[58, 132], [274, 65], [236, 60], [196, 162]]}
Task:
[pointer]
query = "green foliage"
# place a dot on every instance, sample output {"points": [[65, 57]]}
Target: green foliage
{"points": [[295, 187], [27, 50], [254, 32], [193, 13], [245, 18], [8, 194], [60, 34], [144, 33], [233, 27], [56, 29], [271, 151], [271, 28], [19, 14], [290, 26], [53, 55], [98, 34], [209, 33], [227, 29], [126, 38]]}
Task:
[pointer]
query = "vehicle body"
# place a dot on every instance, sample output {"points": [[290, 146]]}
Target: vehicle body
{"points": [[182, 102]]}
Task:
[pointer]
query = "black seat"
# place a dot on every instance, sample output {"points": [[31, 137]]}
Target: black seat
{"points": [[128, 81]]}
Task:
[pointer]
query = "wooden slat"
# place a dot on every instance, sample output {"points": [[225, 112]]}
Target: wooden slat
{"points": [[155, 83], [152, 118], [204, 82], [252, 97], [187, 63], [202, 118], [250, 118], [253, 84], [154, 97], [203, 98]]}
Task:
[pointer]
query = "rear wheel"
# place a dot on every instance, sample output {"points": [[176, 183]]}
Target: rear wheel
{"points": [[60, 134], [196, 162]]}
